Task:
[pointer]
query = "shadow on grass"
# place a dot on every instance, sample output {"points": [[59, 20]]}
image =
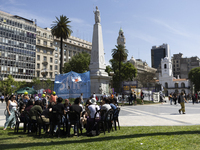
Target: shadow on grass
{"points": [[89, 140]]}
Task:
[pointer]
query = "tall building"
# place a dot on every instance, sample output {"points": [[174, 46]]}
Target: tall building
{"points": [[170, 83], [27, 50], [17, 47], [157, 53], [182, 66], [48, 51]]}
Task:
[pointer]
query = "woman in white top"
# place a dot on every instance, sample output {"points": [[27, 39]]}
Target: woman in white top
{"points": [[10, 116]]}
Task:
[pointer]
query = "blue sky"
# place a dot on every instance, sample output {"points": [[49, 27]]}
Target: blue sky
{"points": [[145, 22]]}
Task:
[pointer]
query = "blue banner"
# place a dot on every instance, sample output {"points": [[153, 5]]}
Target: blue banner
{"points": [[72, 84]]}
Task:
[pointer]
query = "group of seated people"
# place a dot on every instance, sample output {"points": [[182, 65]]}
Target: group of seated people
{"points": [[87, 112]]}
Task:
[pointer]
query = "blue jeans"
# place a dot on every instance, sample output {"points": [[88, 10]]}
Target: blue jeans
{"points": [[10, 119]]}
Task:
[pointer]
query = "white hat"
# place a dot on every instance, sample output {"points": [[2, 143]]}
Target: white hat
{"points": [[93, 101]]}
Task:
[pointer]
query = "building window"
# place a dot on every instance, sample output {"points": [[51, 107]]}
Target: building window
{"points": [[176, 85], [56, 55], [56, 61], [65, 51], [56, 67], [56, 43], [38, 74], [38, 66], [51, 59], [165, 66], [70, 53], [44, 51], [183, 85], [38, 50], [51, 75], [38, 57], [44, 58], [56, 48], [177, 65], [38, 41], [45, 43], [56, 73], [51, 44], [45, 35], [50, 67], [166, 85]]}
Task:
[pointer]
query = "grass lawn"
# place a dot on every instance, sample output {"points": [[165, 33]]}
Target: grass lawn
{"points": [[128, 138]]}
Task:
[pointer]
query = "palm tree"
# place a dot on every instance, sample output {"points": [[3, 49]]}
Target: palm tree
{"points": [[119, 54], [61, 29]]}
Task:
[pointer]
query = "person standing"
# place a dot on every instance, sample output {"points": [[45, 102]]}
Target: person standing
{"points": [[174, 98], [11, 108], [170, 98], [135, 98], [182, 103], [53, 97], [131, 99], [2, 98], [36, 97], [82, 102], [25, 98], [142, 97], [193, 99]]}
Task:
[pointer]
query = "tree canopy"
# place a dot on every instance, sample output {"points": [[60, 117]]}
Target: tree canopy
{"points": [[119, 55], [79, 63], [61, 29], [194, 76], [127, 73]]}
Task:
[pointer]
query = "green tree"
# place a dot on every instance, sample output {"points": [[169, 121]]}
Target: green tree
{"points": [[61, 29], [36, 83], [79, 63], [108, 69], [194, 76], [119, 54], [128, 71], [8, 85]]}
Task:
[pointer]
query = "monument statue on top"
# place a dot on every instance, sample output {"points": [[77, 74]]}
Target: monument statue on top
{"points": [[97, 15], [98, 76]]}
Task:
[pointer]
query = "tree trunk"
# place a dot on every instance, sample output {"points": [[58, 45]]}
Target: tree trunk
{"points": [[120, 71], [61, 54]]}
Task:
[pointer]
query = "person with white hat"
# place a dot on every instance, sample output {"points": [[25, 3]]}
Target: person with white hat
{"points": [[91, 110]]}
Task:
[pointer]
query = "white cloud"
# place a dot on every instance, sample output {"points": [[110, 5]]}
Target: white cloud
{"points": [[175, 30]]}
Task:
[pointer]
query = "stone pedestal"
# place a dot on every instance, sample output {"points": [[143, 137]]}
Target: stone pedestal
{"points": [[98, 77]]}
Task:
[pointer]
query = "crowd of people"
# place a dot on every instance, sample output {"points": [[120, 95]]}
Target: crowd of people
{"points": [[51, 103]]}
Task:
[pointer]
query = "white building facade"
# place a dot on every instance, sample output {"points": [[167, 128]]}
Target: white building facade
{"points": [[171, 83]]}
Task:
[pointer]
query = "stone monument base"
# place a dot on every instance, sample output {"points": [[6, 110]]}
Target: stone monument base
{"points": [[100, 84]]}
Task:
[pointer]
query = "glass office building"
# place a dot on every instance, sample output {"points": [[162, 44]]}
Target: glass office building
{"points": [[159, 52], [17, 47]]}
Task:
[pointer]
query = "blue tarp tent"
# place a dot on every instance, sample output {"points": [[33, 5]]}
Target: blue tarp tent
{"points": [[72, 84]]}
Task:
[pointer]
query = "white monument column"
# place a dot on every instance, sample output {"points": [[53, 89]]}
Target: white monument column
{"points": [[98, 77]]}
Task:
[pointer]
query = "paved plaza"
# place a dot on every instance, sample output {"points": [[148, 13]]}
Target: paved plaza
{"points": [[149, 115]]}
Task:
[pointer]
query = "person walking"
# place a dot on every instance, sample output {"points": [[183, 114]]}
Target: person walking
{"points": [[182, 102], [174, 98], [11, 108], [2, 98], [131, 99], [170, 98], [193, 99], [142, 97]]}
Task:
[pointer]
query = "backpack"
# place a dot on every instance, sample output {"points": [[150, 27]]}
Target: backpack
{"points": [[179, 99]]}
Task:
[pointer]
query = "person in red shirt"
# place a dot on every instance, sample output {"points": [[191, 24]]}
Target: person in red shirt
{"points": [[53, 97]]}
